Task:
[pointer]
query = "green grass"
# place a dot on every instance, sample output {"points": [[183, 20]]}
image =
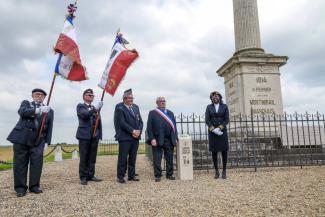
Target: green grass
{"points": [[111, 149], [6, 166]]}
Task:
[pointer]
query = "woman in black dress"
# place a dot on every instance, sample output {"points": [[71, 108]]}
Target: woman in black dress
{"points": [[217, 118]]}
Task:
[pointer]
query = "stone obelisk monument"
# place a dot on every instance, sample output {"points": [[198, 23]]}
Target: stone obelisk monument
{"points": [[251, 76]]}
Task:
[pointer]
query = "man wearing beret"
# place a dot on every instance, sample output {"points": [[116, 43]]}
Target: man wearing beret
{"points": [[128, 126], [88, 144], [28, 143]]}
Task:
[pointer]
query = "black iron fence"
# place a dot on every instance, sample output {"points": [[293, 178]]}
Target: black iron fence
{"points": [[260, 140]]}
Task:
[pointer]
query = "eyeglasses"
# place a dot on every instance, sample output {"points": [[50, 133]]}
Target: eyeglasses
{"points": [[90, 95], [38, 94], [161, 101]]}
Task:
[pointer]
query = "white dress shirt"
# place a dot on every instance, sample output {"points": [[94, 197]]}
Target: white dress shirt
{"points": [[216, 106]]}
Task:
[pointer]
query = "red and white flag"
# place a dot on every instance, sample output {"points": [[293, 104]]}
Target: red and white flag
{"points": [[69, 63], [119, 61]]}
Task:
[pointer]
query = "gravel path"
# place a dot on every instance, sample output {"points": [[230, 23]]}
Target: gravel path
{"points": [[268, 192]]}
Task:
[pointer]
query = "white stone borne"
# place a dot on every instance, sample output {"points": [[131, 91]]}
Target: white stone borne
{"points": [[58, 153], [185, 158], [75, 155]]}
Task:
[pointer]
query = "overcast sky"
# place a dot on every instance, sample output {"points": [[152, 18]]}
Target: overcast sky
{"points": [[181, 45]]}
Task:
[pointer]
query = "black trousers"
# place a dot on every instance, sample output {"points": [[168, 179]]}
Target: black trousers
{"points": [[224, 155], [127, 155], [157, 152], [88, 154], [24, 155]]}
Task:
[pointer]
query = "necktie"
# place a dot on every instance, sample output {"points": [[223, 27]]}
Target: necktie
{"points": [[132, 112]]}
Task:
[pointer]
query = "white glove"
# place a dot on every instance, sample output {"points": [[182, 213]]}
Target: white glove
{"points": [[37, 111], [45, 147], [99, 105], [220, 133], [45, 109], [42, 109], [217, 131]]}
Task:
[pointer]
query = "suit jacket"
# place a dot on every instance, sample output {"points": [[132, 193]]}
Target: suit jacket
{"points": [[157, 127], [216, 119], [87, 119], [126, 122], [27, 128], [116, 124]]}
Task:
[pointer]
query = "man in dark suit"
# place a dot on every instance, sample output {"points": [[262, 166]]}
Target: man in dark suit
{"points": [[88, 143], [128, 133], [28, 144], [162, 136], [116, 127]]}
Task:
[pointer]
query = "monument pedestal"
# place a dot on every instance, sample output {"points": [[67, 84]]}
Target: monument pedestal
{"points": [[252, 83]]}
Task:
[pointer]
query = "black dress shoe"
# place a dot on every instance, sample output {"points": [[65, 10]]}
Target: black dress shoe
{"points": [[224, 174], [157, 179], [122, 181], [94, 179], [217, 175], [170, 177], [83, 182], [136, 174], [133, 179], [21, 194], [36, 190]]}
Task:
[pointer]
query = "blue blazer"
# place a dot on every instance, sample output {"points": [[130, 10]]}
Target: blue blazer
{"points": [[157, 127], [87, 119], [126, 122], [116, 124], [26, 130]]}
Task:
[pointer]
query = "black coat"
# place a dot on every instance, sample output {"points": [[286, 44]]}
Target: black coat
{"points": [[87, 119], [126, 122], [26, 130], [217, 119], [116, 124], [157, 127]]}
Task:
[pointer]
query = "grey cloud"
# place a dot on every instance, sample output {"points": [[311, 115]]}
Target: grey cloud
{"points": [[172, 62]]}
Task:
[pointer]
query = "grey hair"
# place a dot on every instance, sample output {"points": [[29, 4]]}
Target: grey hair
{"points": [[160, 98]]}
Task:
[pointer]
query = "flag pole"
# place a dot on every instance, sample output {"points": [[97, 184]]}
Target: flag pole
{"points": [[97, 115], [47, 103]]}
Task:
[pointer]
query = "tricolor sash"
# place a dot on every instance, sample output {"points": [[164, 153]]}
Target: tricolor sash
{"points": [[166, 118]]}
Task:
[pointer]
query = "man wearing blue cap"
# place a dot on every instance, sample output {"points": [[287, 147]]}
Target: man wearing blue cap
{"points": [[28, 145], [88, 145]]}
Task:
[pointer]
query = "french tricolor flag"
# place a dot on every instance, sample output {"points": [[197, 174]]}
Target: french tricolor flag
{"points": [[119, 61], [69, 64]]}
